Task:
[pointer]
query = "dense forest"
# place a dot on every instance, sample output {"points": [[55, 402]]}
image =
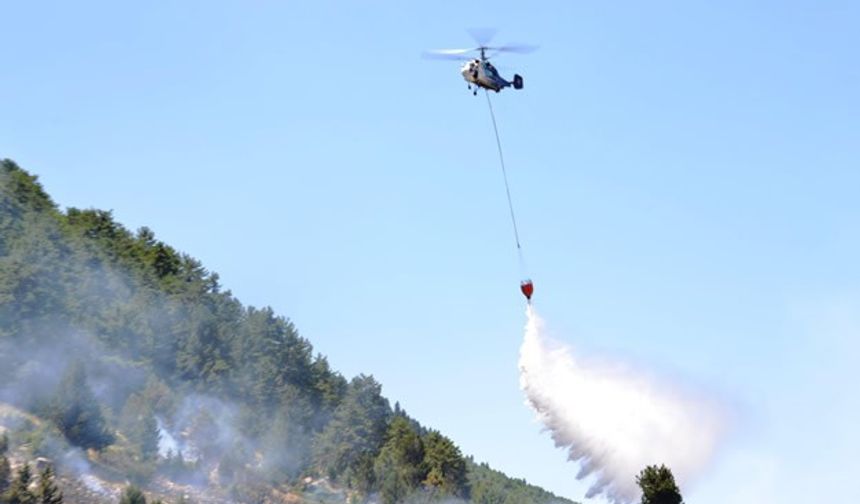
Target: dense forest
{"points": [[128, 358]]}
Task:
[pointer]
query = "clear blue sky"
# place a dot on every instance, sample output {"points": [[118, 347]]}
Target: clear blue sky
{"points": [[686, 177]]}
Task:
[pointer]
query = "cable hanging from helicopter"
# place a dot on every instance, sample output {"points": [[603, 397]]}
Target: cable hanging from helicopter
{"points": [[526, 285], [480, 73]]}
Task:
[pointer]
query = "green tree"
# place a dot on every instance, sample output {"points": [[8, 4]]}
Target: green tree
{"points": [[77, 413], [149, 436], [132, 495], [202, 355], [141, 427], [329, 390], [398, 469], [287, 442], [347, 446], [19, 492], [231, 467], [164, 260], [5, 474], [445, 465], [48, 492], [5, 468], [359, 475], [658, 486], [34, 278]]}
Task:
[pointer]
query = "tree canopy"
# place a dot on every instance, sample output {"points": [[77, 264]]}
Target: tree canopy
{"points": [[658, 486], [110, 332], [76, 411]]}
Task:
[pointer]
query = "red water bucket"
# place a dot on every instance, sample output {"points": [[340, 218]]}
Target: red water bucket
{"points": [[528, 289]]}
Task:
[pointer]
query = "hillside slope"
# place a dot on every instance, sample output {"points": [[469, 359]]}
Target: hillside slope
{"points": [[141, 367]]}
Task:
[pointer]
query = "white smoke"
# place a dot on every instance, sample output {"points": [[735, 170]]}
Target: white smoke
{"points": [[612, 420], [167, 443]]}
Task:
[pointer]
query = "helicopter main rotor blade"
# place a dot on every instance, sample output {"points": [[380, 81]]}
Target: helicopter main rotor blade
{"points": [[453, 54], [485, 51], [514, 48], [482, 36]]}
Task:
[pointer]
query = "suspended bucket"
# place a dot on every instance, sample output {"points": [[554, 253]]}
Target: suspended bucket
{"points": [[528, 288]]}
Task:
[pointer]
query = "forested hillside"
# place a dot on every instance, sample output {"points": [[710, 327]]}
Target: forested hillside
{"points": [[132, 362]]}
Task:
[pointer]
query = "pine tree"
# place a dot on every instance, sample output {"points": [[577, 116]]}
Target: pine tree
{"points": [[658, 486], [19, 492], [353, 437], [446, 467], [132, 495], [287, 442], [5, 474], [5, 468], [48, 492], [149, 436], [77, 413], [399, 467], [139, 424], [165, 261]]}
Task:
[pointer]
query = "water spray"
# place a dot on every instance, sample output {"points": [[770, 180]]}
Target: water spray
{"points": [[613, 420]]}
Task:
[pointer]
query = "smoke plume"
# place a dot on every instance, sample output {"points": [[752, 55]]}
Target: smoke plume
{"points": [[612, 420]]}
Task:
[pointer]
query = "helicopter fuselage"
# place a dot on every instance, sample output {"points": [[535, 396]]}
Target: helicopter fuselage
{"points": [[483, 74]]}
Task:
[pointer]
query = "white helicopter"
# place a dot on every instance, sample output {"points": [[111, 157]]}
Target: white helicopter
{"points": [[479, 72]]}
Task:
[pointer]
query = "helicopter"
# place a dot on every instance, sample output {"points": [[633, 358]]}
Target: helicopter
{"points": [[479, 72]]}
